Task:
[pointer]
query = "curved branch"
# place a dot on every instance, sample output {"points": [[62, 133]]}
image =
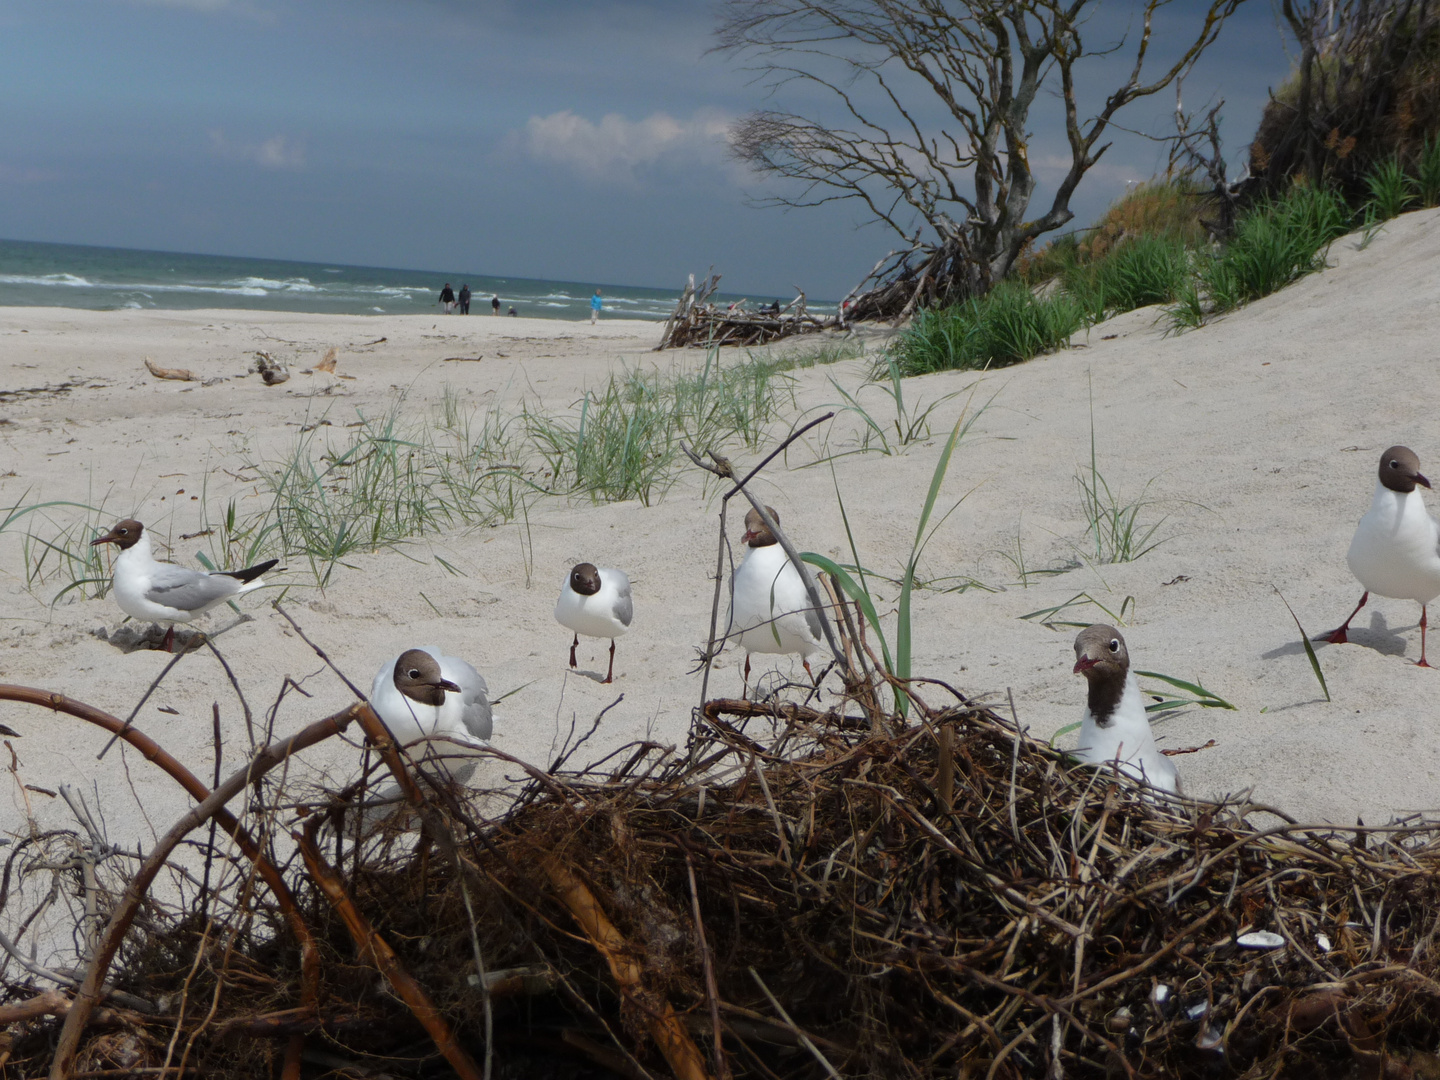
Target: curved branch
{"points": [[212, 805], [157, 755]]}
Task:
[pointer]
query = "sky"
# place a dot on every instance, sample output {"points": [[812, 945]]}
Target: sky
{"points": [[530, 138]]}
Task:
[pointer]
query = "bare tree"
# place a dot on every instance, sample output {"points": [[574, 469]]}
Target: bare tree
{"points": [[937, 96]]}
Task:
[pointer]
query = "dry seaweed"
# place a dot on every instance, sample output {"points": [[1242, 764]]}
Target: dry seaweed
{"points": [[792, 894]]}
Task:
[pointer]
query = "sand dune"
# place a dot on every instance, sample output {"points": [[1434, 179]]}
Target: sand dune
{"points": [[1255, 438]]}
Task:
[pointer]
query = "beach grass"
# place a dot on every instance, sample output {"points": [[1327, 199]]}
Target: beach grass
{"points": [[1117, 534], [1392, 191], [1277, 243], [858, 586], [1143, 271], [623, 440], [886, 431], [1008, 325], [383, 481], [1427, 173]]}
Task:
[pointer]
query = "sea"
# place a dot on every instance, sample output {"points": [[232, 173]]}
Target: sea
{"points": [[104, 279]]}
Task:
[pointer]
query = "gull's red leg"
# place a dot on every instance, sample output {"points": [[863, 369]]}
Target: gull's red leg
{"points": [[573, 645], [1422, 638], [610, 671], [1339, 637]]}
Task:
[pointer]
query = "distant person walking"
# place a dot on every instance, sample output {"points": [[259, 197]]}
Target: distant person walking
{"points": [[595, 305], [447, 298], [464, 299], [495, 305]]}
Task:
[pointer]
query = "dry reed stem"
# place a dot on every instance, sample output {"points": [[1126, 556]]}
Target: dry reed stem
{"points": [[664, 1025], [375, 950]]}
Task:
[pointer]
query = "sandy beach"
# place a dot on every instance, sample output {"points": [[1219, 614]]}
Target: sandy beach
{"points": [[1255, 439]]}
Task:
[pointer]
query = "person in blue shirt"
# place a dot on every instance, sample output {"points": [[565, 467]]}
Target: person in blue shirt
{"points": [[595, 303]]}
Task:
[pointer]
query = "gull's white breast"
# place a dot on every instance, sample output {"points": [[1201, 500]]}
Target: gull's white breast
{"points": [[770, 608], [1128, 740], [605, 614], [1396, 549]]}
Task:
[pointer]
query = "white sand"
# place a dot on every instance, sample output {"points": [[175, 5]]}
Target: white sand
{"points": [[1258, 435]]}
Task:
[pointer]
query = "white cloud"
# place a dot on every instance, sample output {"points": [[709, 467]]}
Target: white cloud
{"points": [[618, 149], [276, 152]]}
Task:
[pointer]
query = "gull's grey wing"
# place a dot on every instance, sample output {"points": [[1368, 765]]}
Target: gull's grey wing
{"points": [[477, 718], [189, 590], [624, 606], [812, 620], [474, 693]]}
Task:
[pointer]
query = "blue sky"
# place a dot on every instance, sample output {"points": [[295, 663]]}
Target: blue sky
{"points": [[551, 139]]}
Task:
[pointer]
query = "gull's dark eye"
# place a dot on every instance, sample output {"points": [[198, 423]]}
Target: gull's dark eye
{"points": [[1394, 464], [1114, 644], [414, 673]]}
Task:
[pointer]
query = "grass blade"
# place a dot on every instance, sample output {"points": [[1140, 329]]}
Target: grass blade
{"points": [[856, 592], [1203, 697], [1305, 640]]}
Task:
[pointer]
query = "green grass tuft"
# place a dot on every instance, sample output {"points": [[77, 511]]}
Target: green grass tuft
{"points": [[1007, 326], [1391, 191], [1275, 244], [1146, 270]]}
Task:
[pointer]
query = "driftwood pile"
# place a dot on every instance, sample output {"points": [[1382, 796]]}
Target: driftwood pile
{"points": [[701, 323], [798, 892]]}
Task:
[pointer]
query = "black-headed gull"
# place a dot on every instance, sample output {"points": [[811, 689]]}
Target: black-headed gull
{"points": [[424, 694], [1115, 727], [770, 608], [163, 592], [596, 603], [1396, 549]]}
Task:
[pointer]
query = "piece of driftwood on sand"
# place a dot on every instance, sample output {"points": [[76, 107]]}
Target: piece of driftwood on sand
{"points": [[700, 323], [178, 374]]}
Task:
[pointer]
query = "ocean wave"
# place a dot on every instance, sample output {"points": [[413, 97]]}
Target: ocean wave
{"points": [[70, 280], [222, 290], [386, 290], [298, 284]]}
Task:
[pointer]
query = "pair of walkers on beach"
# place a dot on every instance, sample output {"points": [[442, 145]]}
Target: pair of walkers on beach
{"points": [[450, 301]]}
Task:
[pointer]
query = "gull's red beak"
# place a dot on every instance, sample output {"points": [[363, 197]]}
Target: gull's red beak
{"points": [[111, 538], [1421, 480], [446, 684], [748, 536], [1084, 664]]}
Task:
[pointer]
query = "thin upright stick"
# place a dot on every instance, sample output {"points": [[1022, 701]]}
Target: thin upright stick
{"points": [[723, 469], [139, 705]]}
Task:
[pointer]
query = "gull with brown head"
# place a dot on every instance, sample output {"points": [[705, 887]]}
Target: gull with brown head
{"points": [[1115, 728], [163, 592], [770, 608], [423, 695], [1396, 548], [596, 603]]}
